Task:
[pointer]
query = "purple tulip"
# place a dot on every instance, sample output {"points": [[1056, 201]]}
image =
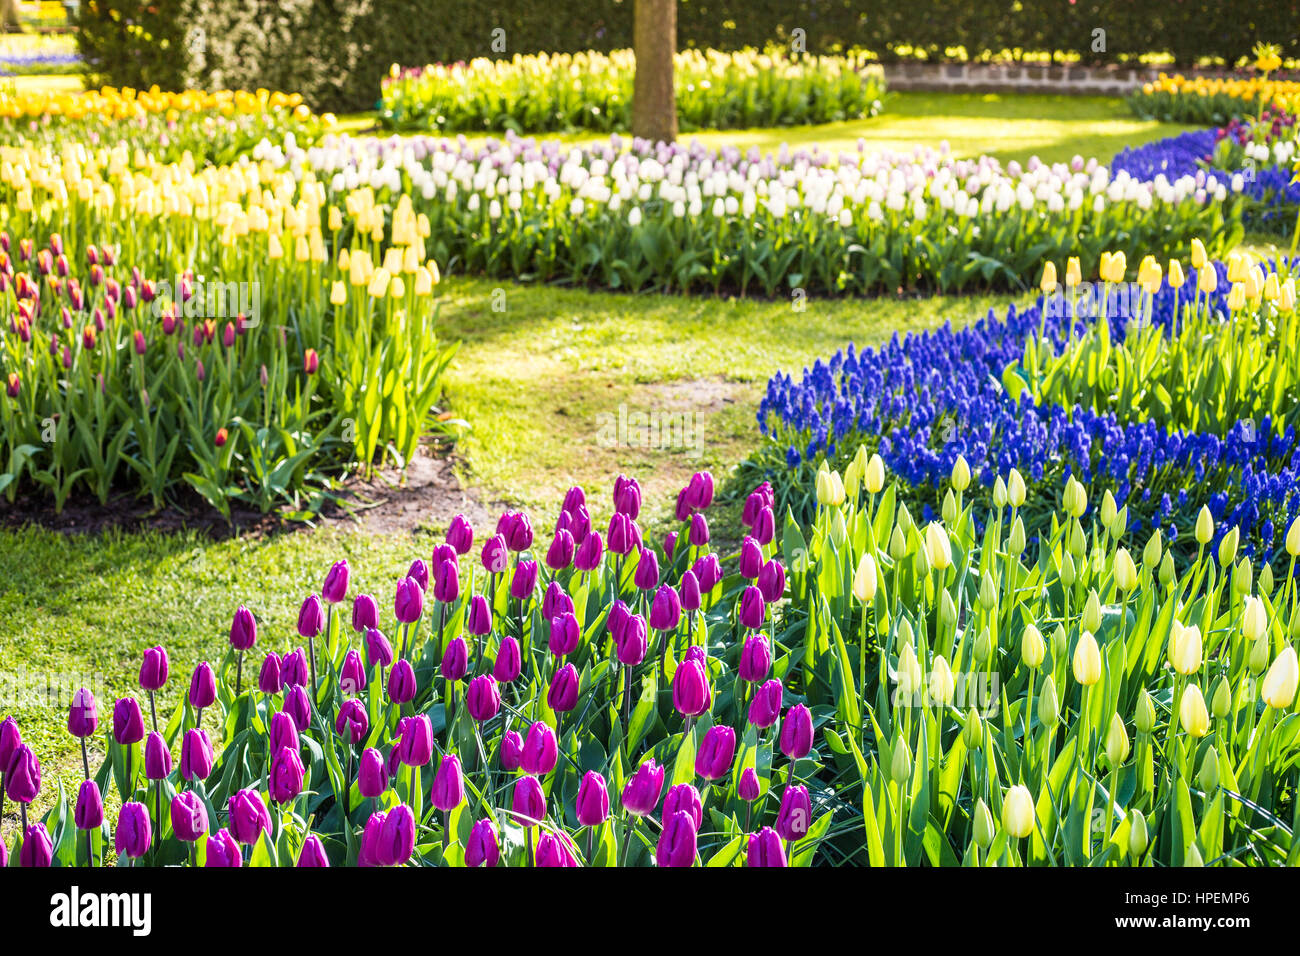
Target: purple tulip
{"points": [[593, 800], [153, 669], [564, 634], [455, 663], [495, 556], [312, 854], [627, 497], [448, 784], [223, 851], [481, 849], [11, 739], [460, 534], [134, 834], [196, 755], [753, 610], [560, 554], [37, 851], [401, 683], [389, 838], [365, 613], [771, 581], [480, 616], [89, 814], [352, 722], [157, 757], [684, 798], [756, 658], [284, 732], [408, 601], [587, 557], [718, 749], [446, 581], [352, 675], [311, 617], [269, 680], [765, 708], [249, 818], [795, 814], [128, 721], [670, 546], [748, 788], [555, 601], [621, 537], [243, 629], [83, 714], [677, 841], [699, 493], [285, 781], [519, 534], [577, 522], [416, 744], [666, 610], [512, 751], [764, 526], [524, 581], [646, 577], [203, 686], [555, 850], [562, 696], [379, 653], [509, 661], [641, 792], [689, 589], [765, 849], [632, 641], [419, 573], [189, 816], [751, 558], [574, 498], [372, 774], [483, 697], [528, 803], [293, 668], [797, 732], [699, 530], [708, 571], [692, 695], [616, 619], [540, 750], [335, 588], [297, 706]]}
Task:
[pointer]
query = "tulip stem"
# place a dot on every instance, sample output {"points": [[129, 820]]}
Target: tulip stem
{"points": [[627, 841], [153, 710], [239, 674], [85, 760]]}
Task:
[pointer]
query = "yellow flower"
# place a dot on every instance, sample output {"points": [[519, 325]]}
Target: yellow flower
{"points": [[338, 293], [1192, 715], [875, 475], [1199, 258], [864, 579], [1048, 282], [937, 547], [1176, 277], [1117, 744], [1018, 816], [1280, 682], [1073, 272], [1185, 649], [1087, 660], [1032, 647], [960, 476]]}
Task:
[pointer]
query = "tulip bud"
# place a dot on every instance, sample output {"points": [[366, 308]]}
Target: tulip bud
{"points": [[1137, 833], [1016, 540], [1167, 569], [1192, 715], [1266, 579], [983, 646], [1032, 647], [1281, 681], [864, 580], [1087, 660], [948, 509], [1208, 778], [1204, 526], [1185, 649], [1145, 717], [973, 730], [1221, 699], [449, 784], [938, 549], [1090, 620], [874, 478], [482, 848], [1049, 708], [592, 805], [947, 610], [1126, 575], [1108, 509], [1193, 857], [900, 766], [1227, 546], [765, 849], [1067, 571], [942, 685], [1117, 743], [1018, 812], [1000, 495], [984, 827], [134, 834], [1151, 553], [897, 545]]}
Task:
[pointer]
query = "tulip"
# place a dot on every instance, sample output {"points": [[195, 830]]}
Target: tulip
{"points": [[512, 750], [298, 707], [372, 773], [562, 695], [587, 557], [753, 610], [223, 851], [83, 714], [1117, 743], [627, 496], [408, 601], [755, 658], [415, 746], [483, 698], [555, 850], [352, 722], [1185, 649], [482, 849], [699, 532], [717, 750], [401, 683], [564, 634], [335, 588], [248, 815], [765, 849], [365, 613], [592, 808], [312, 853], [189, 816], [641, 793], [11, 739], [748, 787], [134, 834], [460, 534], [379, 652], [677, 841], [1087, 660], [1280, 683], [797, 732], [352, 675], [708, 571], [196, 756], [666, 609], [938, 548], [391, 838], [311, 617], [1018, 812], [243, 629], [528, 803], [293, 668], [448, 784], [203, 686], [1192, 714], [765, 708], [692, 695], [153, 669], [751, 558], [419, 573], [509, 661], [795, 815], [89, 813], [480, 616], [455, 662], [495, 555], [157, 758], [540, 750], [763, 529], [285, 781], [689, 588]]}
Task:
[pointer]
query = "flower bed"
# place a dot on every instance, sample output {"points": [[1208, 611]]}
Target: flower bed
{"points": [[1204, 101], [595, 700], [563, 92]]}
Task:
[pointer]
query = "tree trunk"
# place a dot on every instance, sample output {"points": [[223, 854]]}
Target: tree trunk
{"points": [[654, 40], [9, 17]]}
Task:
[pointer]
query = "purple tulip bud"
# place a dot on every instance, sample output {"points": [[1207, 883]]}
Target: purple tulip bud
{"points": [[748, 787], [684, 798], [509, 661], [297, 706], [708, 572], [593, 800], [555, 601], [480, 616], [666, 611], [268, 678], [448, 784], [284, 732], [753, 504], [455, 663], [89, 814], [335, 588], [764, 527], [37, 851], [249, 818], [577, 522], [683, 509], [751, 558], [311, 617], [627, 497], [560, 554], [401, 683], [365, 613], [408, 602], [372, 774], [416, 744], [460, 534], [313, 853], [574, 498], [587, 557], [562, 696], [555, 850], [621, 537], [699, 493], [203, 686], [293, 668], [153, 669], [795, 814], [446, 581], [128, 721], [617, 619], [564, 634], [647, 571], [670, 546], [223, 851], [83, 714], [771, 581], [528, 803], [677, 841], [495, 556], [389, 838], [641, 792], [196, 755], [482, 849], [441, 553], [352, 722], [134, 834], [243, 629], [379, 653], [524, 582], [753, 610], [755, 659], [765, 849], [797, 732], [419, 573], [286, 777], [483, 697], [11, 739], [692, 695], [519, 535], [512, 751], [157, 758], [540, 750], [765, 708], [713, 760], [699, 530], [189, 816], [352, 675]]}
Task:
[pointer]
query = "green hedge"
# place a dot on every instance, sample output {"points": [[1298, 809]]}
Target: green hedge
{"points": [[335, 51]]}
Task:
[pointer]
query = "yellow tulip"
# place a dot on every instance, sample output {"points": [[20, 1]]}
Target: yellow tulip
{"points": [[1254, 619], [960, 476], [864, 579], [1279, 687], [1032, 647], [1185, 649], [1018, 816], [1117, 745], [1087, 660], [1204, 526], [1073, 272], [1199, 258], [338, 293], [875, 474], [942, 686], [1192, 715], [938, 548], [1126, 574], [1048, 282], [1176, 277]]}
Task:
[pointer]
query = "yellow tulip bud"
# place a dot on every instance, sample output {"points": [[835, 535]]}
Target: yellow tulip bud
{"points": [[1266, 579], [948, 510], [839, 531], [988, 593], [1015, 489], [947, 609], [1000, 496], [1204, 526], [909, 673], [1075, 498], [942, 685], [1087, 660], [1280, 682], [960, 476], [1151, 553], [900, 767], [1206, 280], [864, 579], [1016, 540], [1049, 707], [875, 474], [378, 284], [1176, 277], [1236, 297], [1048, 282], [983, 647], [338, 293], [1192, 715], [938, 549], [1018, 812], [1166, 569], [1108, 509], [1117, 744], [1254, 619], [1228, 547], [1221, 699], [1137, 833], [1199, 258], [1090, 619], [1073, 273], [1185, 649], [1126, 573], [972, 732], [1144, 719], [897, 544], [1208, 778], [1033, 649], [984, 829]]}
